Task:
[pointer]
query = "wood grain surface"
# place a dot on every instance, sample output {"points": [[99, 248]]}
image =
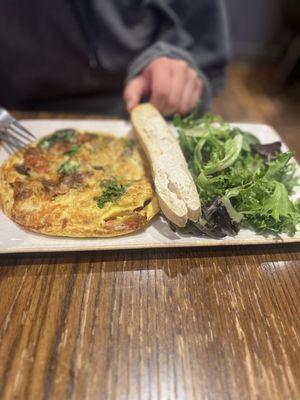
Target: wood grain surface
{"points": [[213, 323]]}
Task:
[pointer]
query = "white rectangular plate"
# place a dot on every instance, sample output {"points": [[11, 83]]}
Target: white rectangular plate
{"points": [[14, 239]]}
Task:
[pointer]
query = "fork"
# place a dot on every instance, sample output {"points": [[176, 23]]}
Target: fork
{"points": [[12, 133]]}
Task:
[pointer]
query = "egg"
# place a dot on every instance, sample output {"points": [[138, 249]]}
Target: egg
{"points": [[78, 184]]}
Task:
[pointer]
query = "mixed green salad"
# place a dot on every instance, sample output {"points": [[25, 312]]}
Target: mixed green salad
{"points": [[241, 182]]}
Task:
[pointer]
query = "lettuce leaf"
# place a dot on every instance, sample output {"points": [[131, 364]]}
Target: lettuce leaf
{"points": [[253, 181]]}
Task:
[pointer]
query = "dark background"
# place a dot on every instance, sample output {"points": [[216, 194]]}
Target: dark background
{"points": [[258, 28], [262, 29]]}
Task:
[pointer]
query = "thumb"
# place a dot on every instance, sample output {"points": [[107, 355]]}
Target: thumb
{"points": [[135, 89]]}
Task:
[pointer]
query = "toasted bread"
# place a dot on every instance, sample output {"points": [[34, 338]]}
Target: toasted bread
{"points": [[174, 185]]}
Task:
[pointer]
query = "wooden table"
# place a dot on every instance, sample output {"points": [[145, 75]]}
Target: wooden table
{"points": [[213, 323]]}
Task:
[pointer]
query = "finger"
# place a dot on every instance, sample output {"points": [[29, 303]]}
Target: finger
{"points": [[196, 95], [178, 82], [135, 90], [160, 77], [187, 99]]}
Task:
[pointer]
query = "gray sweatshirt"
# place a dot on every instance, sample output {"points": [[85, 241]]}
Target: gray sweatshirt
{"points": [[77, 55]]}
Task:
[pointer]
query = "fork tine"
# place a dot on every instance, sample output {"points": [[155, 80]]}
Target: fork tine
{"points": [[21, 127], [13, 131], [19, 140], [7, 145], [8, 141], [7, 148]]}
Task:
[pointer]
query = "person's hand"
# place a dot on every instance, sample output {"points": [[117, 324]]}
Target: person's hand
{"points": [[171, 84]]}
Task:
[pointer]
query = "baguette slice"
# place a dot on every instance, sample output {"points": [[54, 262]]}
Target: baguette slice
{"points": [[175, 188]]}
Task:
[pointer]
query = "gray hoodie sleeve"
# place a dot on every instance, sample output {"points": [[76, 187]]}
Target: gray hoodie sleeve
{"points": [[195, 32]]}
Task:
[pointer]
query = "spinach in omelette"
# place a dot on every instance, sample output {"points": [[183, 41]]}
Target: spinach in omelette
{"points": [[78, 184]]}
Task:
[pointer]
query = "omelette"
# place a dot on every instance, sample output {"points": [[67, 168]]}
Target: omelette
{"points": [[78, 184]]}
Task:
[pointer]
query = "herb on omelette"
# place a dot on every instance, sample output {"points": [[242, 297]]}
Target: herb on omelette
{"points": [[128, 143], [69, 166], [112, 192], [73, 150], [65, 135], [232, 170]]}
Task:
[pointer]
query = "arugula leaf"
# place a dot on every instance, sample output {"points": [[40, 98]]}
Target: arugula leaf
{"points": [[112, 192], [65, 135]]}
